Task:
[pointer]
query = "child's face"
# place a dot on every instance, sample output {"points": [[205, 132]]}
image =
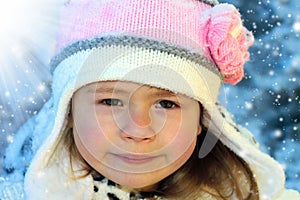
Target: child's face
{"points": [[134, 135]]}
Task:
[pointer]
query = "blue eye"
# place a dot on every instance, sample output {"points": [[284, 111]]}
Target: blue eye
{"points": [[166, 104], [111, 102]]}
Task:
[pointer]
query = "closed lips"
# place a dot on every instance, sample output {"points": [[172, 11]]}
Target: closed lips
{"points": [[135, 159]]}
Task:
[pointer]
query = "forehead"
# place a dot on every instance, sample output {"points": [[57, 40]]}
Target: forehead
{"points": [[122, 87]]}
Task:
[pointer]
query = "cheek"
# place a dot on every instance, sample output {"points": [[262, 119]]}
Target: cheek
{"points": [[86, 127], [85, 123], [185, 124], [184, 138], [180, 134], [95, 130], [87, 119]]}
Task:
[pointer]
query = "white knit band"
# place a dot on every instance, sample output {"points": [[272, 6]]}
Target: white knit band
{"points": [[145, 66]]}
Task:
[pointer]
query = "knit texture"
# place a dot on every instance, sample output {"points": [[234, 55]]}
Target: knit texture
{"points": [[215, 33]]}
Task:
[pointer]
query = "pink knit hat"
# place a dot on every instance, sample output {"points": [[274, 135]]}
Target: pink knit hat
{"points": [[202, 29]]}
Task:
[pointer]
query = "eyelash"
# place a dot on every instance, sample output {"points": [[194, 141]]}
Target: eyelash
{"points": [[111, 102], [165, 104]]}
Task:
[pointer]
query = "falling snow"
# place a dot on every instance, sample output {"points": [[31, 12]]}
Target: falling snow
{"points": [[268, 102]]}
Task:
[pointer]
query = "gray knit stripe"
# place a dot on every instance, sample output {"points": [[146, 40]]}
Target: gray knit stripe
{"points": [[210, 2], [132, 41]]}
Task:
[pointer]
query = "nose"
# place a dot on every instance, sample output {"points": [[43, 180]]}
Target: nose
{"points": [[137, 124]]}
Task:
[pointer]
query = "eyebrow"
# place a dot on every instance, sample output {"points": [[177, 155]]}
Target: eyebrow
{"points": [[162, 93], [154, 92], [108, 90]]}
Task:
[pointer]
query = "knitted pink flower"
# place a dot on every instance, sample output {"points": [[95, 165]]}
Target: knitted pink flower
{"points": [[228, 42]]}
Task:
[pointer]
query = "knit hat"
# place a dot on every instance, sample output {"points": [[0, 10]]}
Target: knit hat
{"points": [[189, 47]]}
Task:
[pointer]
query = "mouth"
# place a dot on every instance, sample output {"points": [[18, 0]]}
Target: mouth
{"points": [[135, 159]]}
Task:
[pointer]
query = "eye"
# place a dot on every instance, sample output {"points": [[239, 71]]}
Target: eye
{"points": [[111, 102], [166, 104]]}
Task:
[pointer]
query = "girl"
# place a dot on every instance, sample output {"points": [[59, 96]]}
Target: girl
{"points": [[134, 112]]}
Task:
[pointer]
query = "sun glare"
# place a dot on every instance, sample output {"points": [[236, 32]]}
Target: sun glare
{"points": [[27, 41]]}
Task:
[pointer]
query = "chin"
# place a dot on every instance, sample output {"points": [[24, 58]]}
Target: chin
{"points": [[141, 182]]}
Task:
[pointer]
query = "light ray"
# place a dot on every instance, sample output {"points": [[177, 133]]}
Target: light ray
{"points": [[27, 41]]}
